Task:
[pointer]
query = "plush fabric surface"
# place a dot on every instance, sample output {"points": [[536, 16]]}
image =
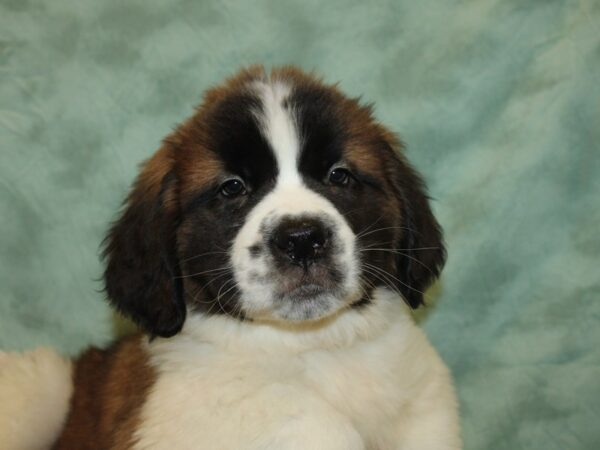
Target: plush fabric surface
{"points": [[498, 102]]}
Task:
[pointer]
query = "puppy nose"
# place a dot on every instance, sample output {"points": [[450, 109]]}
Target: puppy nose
{"points": [[301, 241]]}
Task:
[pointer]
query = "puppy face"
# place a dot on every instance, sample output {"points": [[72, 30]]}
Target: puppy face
{"points": [[279, 200]]}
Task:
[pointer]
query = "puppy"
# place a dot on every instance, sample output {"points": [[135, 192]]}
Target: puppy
{"points": [[271, 250]]}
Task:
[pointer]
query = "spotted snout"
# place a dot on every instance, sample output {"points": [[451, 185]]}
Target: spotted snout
{"points": [[294, 258]]}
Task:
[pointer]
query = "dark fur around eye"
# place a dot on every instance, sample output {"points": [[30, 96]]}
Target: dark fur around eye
{"points": [[233, 188], [339, 176]]}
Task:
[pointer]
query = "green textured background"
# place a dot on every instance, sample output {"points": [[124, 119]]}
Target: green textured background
{"points": [[499, 102]]}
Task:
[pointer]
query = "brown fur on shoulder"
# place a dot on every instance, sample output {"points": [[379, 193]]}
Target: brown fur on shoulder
{"points": [[110, 389]]}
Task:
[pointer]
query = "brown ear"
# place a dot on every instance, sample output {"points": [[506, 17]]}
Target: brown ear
{"points": [[421, 251], [142, 277]]}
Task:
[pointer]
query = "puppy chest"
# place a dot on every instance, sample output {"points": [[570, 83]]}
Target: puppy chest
{"points": [[241, 399]]}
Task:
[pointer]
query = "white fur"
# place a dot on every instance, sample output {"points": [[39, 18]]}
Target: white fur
{"points": [[361, 379], [254, 275], [257, 296], [35, 390], [280, 129]]}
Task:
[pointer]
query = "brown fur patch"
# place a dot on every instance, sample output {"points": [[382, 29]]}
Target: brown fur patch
{"points": [[154, 170], [110, 389], [185, 154], [363, 158], [197, 168]]}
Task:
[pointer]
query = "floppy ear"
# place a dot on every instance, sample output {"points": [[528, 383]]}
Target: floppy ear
{"points": [[142, 272], [421, 251]]}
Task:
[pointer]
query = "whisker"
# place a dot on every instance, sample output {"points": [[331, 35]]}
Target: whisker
{"points": [[218, 299], [237, 307], [367, 281], [385, 282], [412, 258], [232, 288], [204, 254], [229, 267], [234, 285], [360, 234], [196, 300], [362, 288], [350, 211], [374, 244], [393, 277], [387, 228], [393, 250], [205, 285], [213, 305], [236, 311]]}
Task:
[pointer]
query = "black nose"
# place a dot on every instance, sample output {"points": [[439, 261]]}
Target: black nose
{"points": [[302, 241]]}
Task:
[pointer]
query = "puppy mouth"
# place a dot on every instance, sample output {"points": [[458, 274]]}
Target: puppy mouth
{"points": [[304, 292], [315, 281], [306, 303]]}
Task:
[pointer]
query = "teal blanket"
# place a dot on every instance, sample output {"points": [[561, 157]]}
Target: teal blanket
{"points": [[498, 101]]}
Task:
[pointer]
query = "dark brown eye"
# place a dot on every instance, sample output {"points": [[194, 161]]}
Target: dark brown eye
{"points": [[339, 176], [233, 188]]}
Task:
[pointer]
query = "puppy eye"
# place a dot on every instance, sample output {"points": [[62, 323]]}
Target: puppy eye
{"points": [[233, 188], [339, 176]]}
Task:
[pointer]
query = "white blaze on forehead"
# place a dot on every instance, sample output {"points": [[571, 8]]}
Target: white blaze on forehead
{"points": [[279, 127], [256, 275]]}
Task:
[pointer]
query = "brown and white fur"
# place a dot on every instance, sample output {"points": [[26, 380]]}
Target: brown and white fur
{"points": [[271, 251]]}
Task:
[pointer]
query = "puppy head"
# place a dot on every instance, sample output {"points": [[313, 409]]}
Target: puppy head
{"points": [[280, 199]]}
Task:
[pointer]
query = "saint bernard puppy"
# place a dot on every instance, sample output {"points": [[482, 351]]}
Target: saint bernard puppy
{"points": [[271, 250]]}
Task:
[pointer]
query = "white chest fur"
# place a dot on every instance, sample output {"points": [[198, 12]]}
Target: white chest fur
{"points": [[367, 379]]}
